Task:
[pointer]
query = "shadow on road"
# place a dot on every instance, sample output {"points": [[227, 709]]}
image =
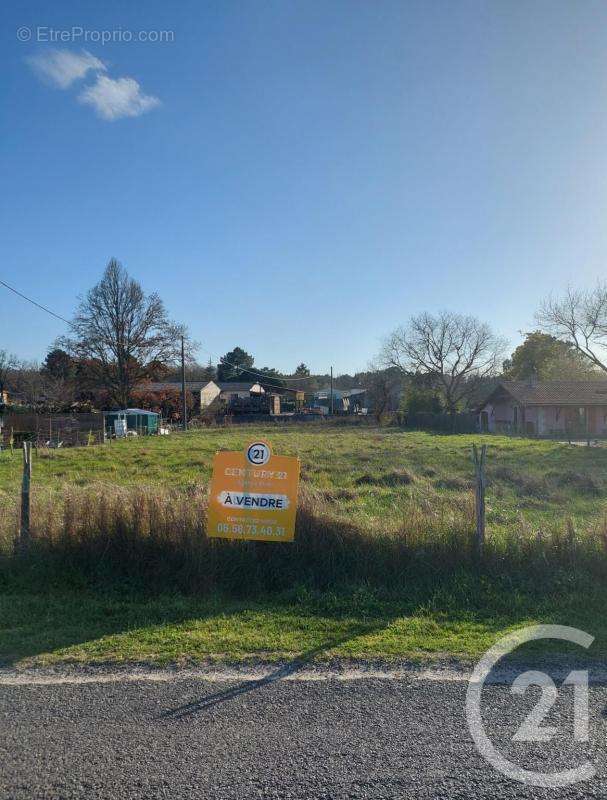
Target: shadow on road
{"points": [[247, 686]]}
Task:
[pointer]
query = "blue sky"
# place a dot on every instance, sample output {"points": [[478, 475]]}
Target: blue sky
{"points": [[298, 178]]}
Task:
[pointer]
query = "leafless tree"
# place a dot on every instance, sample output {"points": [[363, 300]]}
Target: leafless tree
{"points": [[383, 390], [7, 363], [25, 383], [452, 349], [122, 336], [580, 318]]}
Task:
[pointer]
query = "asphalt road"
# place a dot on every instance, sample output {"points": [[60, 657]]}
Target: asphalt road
{"points": [[193, 738]]}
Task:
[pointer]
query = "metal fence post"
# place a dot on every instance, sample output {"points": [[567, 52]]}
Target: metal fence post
{"points": [[479, 468]]}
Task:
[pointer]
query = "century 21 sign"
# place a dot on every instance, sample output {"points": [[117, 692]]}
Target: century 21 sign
{"points": [[253, 495]]}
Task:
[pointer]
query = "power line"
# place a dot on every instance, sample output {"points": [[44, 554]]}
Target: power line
{"points": [[34, 303], [251, 371], [263, 375]]}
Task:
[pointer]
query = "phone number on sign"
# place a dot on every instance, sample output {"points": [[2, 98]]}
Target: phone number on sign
{"points": [[251, 530]]}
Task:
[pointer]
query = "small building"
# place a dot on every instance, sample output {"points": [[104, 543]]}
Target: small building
{"points": [[292, 401], [255, 405], [205, 392], [239, 389], [208, 393], [345, 401], [225, 391], [546, 408], [198, 390], [142, 422]]}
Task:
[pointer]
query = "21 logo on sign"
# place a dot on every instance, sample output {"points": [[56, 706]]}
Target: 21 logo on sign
{"points": [[259, 453]]}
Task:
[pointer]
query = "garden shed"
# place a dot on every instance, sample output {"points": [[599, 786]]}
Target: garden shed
{"points": [[131, 419]]}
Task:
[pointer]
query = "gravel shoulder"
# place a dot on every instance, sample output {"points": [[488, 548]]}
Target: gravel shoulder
{"points": [[441, 670]]}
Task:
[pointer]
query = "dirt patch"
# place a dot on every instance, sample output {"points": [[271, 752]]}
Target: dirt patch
{"points": [[398, 477], [337, 495], [523, 482], [583, 482], [366, 480], [453, 484]]}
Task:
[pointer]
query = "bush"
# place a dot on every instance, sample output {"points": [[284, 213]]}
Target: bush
{"points": [[420, 400]]}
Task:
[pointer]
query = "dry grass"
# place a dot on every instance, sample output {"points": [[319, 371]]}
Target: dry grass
{"points": [[379, 507], [159, 535], [156, 538]]}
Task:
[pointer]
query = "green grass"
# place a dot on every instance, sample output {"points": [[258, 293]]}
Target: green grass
{"points": [[83, 628], [375, 480], [538, 480]]}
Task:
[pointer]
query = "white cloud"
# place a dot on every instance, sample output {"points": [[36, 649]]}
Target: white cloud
{"points": [[122, 97], [62, 68], [111, 98]]}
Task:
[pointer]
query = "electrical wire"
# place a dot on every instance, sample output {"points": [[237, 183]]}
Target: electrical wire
{"points": [[250, 371], [266, 379], [34, 303]]}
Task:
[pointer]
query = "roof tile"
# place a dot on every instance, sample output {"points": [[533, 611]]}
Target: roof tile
{"points": [[558, 392]]}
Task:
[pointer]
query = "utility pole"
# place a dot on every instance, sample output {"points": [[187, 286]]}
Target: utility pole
{"points": [[331, 391], [184, 406]]}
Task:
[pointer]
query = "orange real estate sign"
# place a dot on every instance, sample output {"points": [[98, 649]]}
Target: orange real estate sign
{"points": [[253, 495]]}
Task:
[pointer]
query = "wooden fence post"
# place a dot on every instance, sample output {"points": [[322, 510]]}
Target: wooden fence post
{"points": [[24, 528], [479, 468]]}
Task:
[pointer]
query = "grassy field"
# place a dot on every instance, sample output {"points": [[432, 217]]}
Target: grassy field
{"points": [[364, 472], [386, 503]]}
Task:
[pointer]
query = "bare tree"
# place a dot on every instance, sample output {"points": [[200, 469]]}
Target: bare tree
{"points": [[454, 350], [7, 363], [25, 382], [122, 336], [579, 318], [383, 390]]}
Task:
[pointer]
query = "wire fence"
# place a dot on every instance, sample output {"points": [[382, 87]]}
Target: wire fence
{"points": [[51, 430]]}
